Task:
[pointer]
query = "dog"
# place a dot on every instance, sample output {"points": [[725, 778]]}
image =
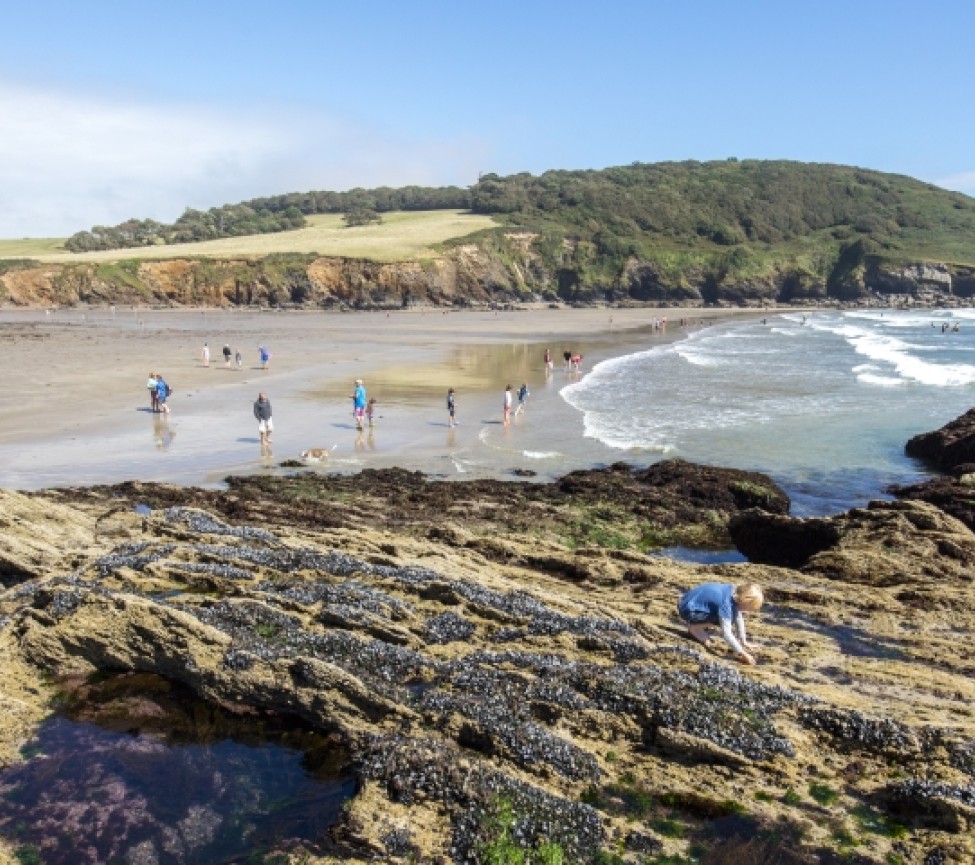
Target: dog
{"points": [[315, 455]]}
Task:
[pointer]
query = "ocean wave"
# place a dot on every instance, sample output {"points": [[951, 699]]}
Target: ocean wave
{"points": [[897, 354], [541, 455]]}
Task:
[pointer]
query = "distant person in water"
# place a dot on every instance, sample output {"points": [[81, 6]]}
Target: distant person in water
{"points": [[522, 399], [724, 605], [371, 411], [548, 361], [507, 405], [568, 358], [451, 409]]}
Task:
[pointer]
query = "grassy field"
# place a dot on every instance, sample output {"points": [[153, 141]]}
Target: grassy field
{"points": [[401, 236]]}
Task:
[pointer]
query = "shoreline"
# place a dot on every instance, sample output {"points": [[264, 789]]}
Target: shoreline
{"points": [[77, 413]]}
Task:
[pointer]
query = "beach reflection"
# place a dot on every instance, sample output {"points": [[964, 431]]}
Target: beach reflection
{"points": [[162, 432]]}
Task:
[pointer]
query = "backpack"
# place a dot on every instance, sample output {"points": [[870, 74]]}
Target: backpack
{"points": [[169, 390]]}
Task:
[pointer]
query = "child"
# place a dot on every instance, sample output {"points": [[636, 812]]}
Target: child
{"points": [[522, 398], [507, 405], [151, 387], [721, 604], [370, 410], [451, 408]]}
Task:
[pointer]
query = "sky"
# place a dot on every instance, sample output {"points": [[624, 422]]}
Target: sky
{"points": [[114, 109]]}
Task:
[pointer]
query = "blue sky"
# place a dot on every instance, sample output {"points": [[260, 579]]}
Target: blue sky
{"points": [[110, 110]]}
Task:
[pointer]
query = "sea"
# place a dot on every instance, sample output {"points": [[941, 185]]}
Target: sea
{"points": [[822, 402]]}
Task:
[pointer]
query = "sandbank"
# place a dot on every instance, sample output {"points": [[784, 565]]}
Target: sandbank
{"points": [[75, 410]]}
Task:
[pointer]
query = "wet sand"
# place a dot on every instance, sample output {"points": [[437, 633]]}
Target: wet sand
{"points": [[74, 409]]}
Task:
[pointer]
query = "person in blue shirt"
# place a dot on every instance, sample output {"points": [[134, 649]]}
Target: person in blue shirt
{"points": [[359, 403], [722, 604]]}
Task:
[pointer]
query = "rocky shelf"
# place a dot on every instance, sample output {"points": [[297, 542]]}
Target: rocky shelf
{"points": [[503, 663]]}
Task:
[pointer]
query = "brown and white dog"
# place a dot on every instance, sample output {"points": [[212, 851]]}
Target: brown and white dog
{"points": [[315, 455]]}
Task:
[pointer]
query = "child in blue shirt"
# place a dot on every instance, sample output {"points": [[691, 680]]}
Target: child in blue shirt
{"points": [[721, 604]]}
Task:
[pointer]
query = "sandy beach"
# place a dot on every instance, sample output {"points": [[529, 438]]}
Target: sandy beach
{"points": [[75, 409]]}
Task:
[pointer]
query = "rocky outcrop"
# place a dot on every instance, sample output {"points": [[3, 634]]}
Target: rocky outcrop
{"points": [[503, 665], [909, 280], [951, 449], [885, 544], [950, 446]]}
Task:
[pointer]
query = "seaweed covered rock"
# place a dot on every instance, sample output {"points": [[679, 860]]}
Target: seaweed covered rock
{"points": [[884, 544], [947, 447], [501, 684]]}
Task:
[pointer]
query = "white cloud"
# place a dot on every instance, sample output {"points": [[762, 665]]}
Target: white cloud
{"points": [[68, 162]]}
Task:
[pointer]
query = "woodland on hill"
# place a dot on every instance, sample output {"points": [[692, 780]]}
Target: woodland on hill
{"points": [[739, 217]]}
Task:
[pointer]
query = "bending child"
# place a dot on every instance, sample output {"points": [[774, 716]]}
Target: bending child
{"points": [[721, 604]]}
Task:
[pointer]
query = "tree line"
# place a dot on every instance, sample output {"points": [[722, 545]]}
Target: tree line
{"points": [[267, 215]]}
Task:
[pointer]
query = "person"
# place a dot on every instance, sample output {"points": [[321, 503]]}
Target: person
{"points": [[205, 354], [151, 387], [576, 362], [239, 359], [451, 409], [262, 411], [548, 360], [163, 391], [522, 399], [507, 405], [568, 358], [359, 403], [722, 604], [226, 355], [265, 356], [371, 411]]}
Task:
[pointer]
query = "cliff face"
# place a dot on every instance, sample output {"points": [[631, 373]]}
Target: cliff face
{"points": [[470, 274]]}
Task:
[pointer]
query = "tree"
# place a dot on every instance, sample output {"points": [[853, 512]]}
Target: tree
{"points": [[361, 216]]}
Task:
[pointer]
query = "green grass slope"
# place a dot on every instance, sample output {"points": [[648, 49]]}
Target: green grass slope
{"points": [[402, 236]]}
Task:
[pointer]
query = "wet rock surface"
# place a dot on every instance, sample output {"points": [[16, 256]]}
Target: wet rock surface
{"points": [[504, 664]]}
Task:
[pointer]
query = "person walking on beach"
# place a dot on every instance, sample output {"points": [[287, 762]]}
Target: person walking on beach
{"points": [[722, 604], [163, 391], [522, 399], [226, 355], [548, 361], [239, 359], [151, 387], [265, 356], [262, 411], [507, 405], [568, 358], [451, 409], [371, 411], [359, 403], [205, 354]]}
